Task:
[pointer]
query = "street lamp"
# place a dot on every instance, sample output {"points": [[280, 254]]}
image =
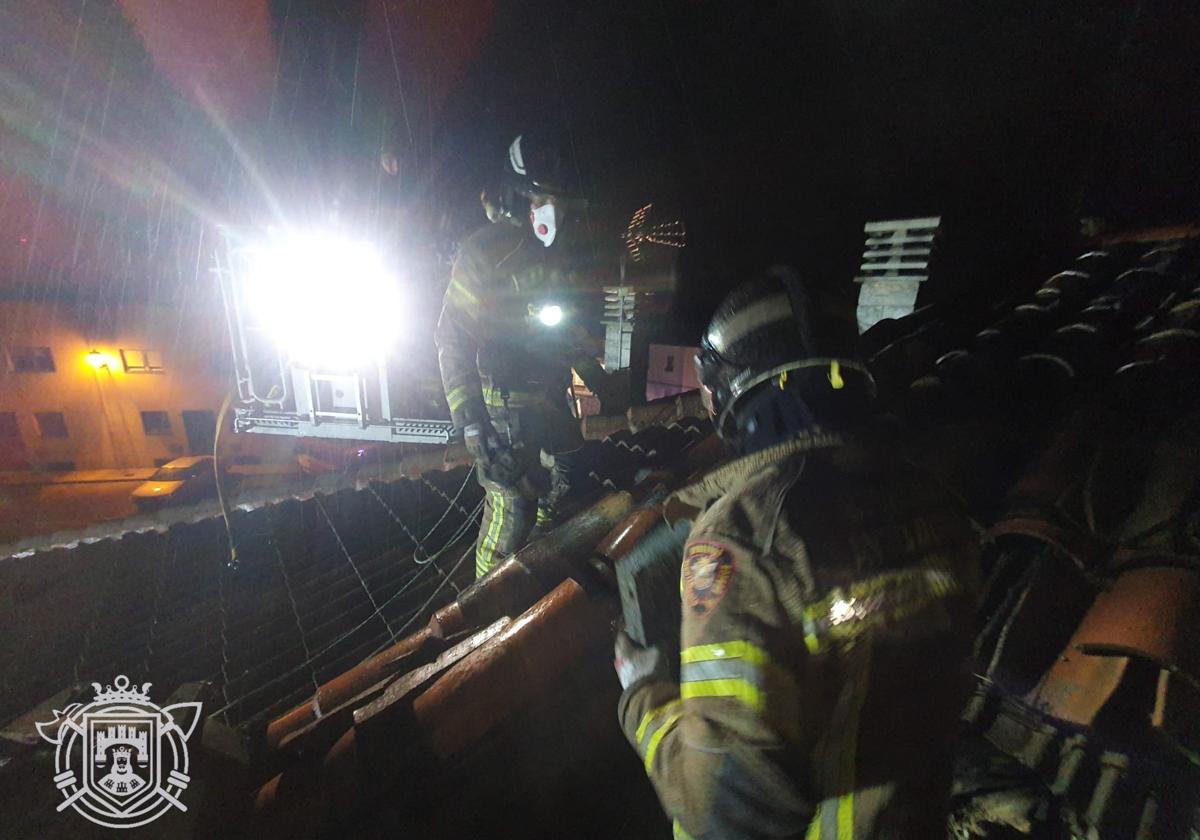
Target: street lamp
{"points": [[99, 361]]}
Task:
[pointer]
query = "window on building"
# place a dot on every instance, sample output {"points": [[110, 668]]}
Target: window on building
{"points": [[142, 361], [31, 359], [156, 423], [9, 430], [51, 424], [670, 365], [59, 466]]}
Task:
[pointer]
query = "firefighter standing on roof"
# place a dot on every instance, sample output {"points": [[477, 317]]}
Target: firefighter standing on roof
{"points": [[825, 587], [506, 347]]}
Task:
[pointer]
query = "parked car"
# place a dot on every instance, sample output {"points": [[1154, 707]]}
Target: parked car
{"points": [[178, 482]]}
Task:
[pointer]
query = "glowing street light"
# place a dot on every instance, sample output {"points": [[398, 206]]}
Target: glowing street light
{"points": [[326, 300], [96, 359]]}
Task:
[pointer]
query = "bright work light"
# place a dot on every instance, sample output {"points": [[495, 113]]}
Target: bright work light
{"points": [[551, 315], [326, 300]]}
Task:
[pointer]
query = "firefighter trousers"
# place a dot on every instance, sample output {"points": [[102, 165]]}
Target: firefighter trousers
{"points": [[509, 517], [513, 509]]}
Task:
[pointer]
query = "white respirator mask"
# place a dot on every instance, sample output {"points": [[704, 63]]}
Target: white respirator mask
{"points": [[545, 223]]}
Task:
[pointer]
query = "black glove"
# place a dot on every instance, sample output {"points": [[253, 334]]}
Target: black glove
{"points": [[481, 441], [505, 468], [495, 460]]}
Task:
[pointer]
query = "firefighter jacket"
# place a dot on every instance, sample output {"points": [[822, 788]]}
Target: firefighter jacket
{"points": [[491, 350], [825, 585]]}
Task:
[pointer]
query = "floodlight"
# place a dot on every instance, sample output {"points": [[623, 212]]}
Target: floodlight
{"points": [[327, 301], [314, 320]]}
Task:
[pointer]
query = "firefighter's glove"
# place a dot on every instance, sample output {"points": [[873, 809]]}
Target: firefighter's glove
{"points": [[504, 468], [559, 466], [634, 663], [495, 460], [481, 441]]}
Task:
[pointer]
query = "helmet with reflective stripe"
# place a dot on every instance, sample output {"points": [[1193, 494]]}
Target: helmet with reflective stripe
{"points": [[534, 165], [764, 332]]}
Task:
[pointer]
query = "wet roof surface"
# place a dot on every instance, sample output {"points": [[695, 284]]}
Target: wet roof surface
{"points": [[320, 583]]}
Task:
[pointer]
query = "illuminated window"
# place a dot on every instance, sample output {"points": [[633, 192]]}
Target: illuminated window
{"points": [[51, 424], [9, 430], [142, 361], [31, 359], [156, 423]]}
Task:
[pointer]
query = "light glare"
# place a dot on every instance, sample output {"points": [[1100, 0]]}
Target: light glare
{"points": [[841, 611], [326, 300], [550, 315]]}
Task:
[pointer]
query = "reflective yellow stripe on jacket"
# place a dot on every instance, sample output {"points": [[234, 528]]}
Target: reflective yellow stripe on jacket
{"points": [[456, 398], [874, 602], [495, 398], [654, 725], [462, 296], [734, 669], [834, 817], [678, 832]]}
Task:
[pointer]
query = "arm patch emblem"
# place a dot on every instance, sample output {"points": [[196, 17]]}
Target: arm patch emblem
{"points": [[708, 569]]}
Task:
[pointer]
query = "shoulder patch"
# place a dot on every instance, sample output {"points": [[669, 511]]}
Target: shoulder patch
{"points": [[708, 569]]}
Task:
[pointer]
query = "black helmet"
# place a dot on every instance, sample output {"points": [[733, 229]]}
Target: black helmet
{"points": [[535, 165], [762, 333]]}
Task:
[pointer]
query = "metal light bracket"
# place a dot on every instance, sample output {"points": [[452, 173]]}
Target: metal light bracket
{"points": [[278, 397]]}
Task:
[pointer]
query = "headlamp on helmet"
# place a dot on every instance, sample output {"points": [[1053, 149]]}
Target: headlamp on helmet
{"points": [[547, 314]]}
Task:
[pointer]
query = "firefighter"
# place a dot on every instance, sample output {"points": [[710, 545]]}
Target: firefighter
{"points": [[825, 588], [507, 342]]}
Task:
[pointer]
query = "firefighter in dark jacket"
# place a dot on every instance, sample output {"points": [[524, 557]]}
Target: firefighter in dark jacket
{"points": [[825, 587], [506, 346]]}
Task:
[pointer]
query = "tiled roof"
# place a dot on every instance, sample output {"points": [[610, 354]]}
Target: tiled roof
{"points": [[1115, 331], [1068, 420], [305, 601]]}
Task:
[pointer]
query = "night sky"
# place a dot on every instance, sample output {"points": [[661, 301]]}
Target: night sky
{"points": [[132, 130]]}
